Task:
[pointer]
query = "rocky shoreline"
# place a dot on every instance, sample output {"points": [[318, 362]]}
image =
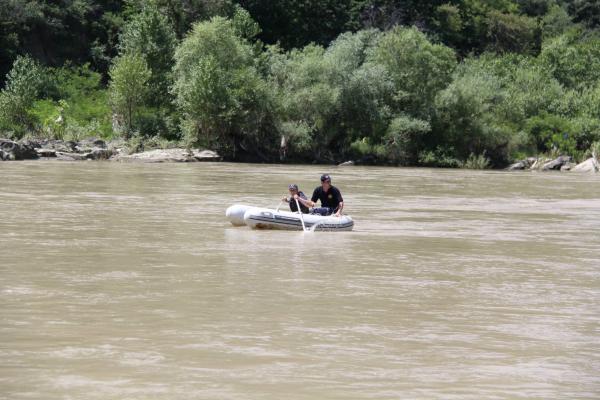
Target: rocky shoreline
{"points": [[562, 163], [96, 149], [116, 150]]}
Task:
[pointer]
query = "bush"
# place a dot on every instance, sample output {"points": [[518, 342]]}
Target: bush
{"points": [[551, 132], [23, 84], [477, 162], [366, 152], [158, 122], [404, 138], [440, 158], [586, 131], [76, 95]]}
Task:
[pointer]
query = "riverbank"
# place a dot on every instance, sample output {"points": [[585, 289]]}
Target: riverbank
{"points": [[98, 150], [119, 150]]}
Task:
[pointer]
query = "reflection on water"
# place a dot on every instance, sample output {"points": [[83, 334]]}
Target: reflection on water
{"points": [[125, 281]]}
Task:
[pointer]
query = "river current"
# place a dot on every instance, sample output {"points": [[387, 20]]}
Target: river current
{"points": [[125, 281]]}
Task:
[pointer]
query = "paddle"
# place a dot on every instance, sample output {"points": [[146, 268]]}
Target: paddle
{"points": [[300, 212], [280, 203]]}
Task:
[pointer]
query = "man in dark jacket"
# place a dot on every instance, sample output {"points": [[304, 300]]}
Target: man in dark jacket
{"points": [[296, 194], [330, 197]]}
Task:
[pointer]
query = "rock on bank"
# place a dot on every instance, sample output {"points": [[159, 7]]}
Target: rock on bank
{"points": [[589, 165], [10, 150], [170, 155]]}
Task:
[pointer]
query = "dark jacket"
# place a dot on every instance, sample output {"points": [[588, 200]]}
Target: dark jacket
{"points": [[293, 207], [331, 199]]}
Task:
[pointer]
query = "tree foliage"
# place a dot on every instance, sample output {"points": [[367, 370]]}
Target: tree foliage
{"points": [[24, 82], [225, 103], [418, 68], [436, 82], [129, 87], [149, 34]]}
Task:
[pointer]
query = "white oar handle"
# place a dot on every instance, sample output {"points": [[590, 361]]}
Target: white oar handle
{"points": [[300, 212]]}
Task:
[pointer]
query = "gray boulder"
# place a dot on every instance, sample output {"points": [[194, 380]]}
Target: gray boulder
{"points": [[521, 165], [556, 164], [92, 143], [539, 162], [99, 154], [116, 144], [12, 150], [568, 166], [44, 152], [160, 155], [63, 156], [516, 166], [34, 143], [589, 165], [170, 155], [206, 155], [6, 156], [60, 146]]}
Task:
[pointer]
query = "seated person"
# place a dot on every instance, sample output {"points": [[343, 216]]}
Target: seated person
{"points": [[300, 196], [330, 197]]}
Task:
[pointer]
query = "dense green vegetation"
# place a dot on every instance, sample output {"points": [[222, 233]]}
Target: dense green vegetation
{"points": [[470, 83]]}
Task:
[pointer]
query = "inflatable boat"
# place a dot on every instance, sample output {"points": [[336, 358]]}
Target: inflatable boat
{"points": [[265, 218]]}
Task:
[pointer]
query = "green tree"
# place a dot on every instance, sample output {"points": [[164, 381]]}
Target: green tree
{"points": [[513, 33], [418, 68], [465, 119], [307, 98], [475, 18], [14, 23], [535, 8], [243, 23], [586, 12], [225, 103], [149, 34], [56, 31], [295, 24], [331, 98], [449, 24], [183, 13], [556, 22], [574, 60], [129, 76], [23, 84]]}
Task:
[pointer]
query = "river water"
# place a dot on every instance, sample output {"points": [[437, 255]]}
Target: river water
{"points": [[125, 281]]}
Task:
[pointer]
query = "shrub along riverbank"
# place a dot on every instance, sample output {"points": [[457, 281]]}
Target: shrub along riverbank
{"points": [[399, 96]]}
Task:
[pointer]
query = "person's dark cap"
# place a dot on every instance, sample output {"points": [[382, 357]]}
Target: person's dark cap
{"points": [[293, 186], [325, 177]]}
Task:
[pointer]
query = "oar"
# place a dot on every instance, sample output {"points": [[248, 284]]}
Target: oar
{"points": [[279, 206], [300, 212], [280, 203]]}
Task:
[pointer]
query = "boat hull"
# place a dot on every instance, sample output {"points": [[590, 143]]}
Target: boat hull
{"points": [[264, 218]]}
